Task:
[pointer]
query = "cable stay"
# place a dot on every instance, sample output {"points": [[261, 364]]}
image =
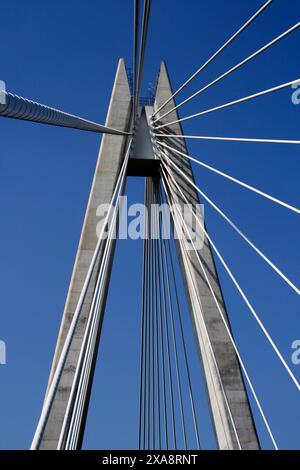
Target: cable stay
{"points": [[229, 139], [243, 295], [67, 344], [232, 103], [160, 360], [221, 49], [179, 221], [231, 178], [136, 15], [142, 52], [231, 70], [16, 107], [232, 224]]}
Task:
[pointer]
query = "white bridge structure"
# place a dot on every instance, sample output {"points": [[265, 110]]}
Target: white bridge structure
{"points": [[147, 140]]}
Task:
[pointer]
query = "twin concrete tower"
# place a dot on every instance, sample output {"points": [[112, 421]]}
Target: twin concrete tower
{"points": [[225, 387]]}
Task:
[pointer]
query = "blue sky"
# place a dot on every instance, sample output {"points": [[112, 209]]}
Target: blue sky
{"points": [[65, 54]]}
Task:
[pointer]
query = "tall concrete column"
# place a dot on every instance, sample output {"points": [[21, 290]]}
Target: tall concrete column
{"points": [[107, 169], [204, 312]]}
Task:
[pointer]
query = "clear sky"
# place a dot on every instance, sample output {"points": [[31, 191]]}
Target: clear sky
{"points": [[65, 54]]}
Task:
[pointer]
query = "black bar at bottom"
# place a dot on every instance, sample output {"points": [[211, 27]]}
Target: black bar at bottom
{"points": [[134, 459]]}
